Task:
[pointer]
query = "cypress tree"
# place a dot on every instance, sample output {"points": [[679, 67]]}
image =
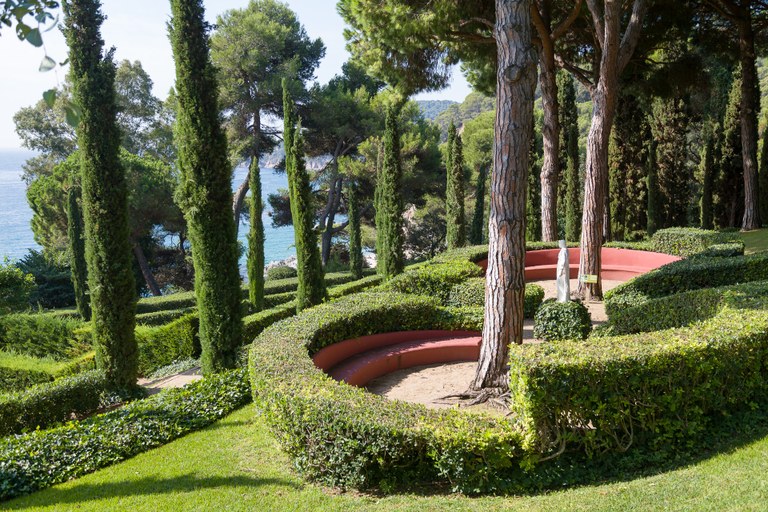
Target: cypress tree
{"points": [[256, 239], [653, 214], [533, 197], [456, 225], [476, 230], [355, 245], [673, 174], [205, 189], [311, 290], [707, 175], [75, 230], [728, 187], [762, 180], [389, 218], [570, 185], [104, 194]]}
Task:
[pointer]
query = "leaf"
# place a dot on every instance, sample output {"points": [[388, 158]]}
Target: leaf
{"points": [[34, 38], [50, 97], [72, 114], [47, 64]]}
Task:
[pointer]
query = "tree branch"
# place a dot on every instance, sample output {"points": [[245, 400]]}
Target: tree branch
{"points": [[563, 27], [580, 74], [632, 34], [597, 22]]}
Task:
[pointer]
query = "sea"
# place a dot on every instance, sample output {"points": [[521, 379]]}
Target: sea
{"points": [[16, 237]]}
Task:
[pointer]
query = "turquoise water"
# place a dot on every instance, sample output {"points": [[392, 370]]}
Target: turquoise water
{"points": [[15, 215]]}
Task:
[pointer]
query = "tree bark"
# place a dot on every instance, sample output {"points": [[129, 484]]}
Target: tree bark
{"points": [[749, 108], [334, 200], [239, 198], [149, 278], [505, 279]]}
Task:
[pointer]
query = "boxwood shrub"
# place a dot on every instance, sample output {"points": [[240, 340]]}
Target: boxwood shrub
{"points": [[160, 346], [434, 280], [655, 389], [16, 379], [562, 321], [38, 335], [344, 436], [472, 293], [162, 317], [45, 404], [43, 458], [687, 241], [685, 275], [281, 272]]}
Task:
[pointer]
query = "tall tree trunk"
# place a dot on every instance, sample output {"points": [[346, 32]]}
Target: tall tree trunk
{"points": [[749, 108], [505, 279], [550, 170], [146, 272], [334, 200], [238, 198]]}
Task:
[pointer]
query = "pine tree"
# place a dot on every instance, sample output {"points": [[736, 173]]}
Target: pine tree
{"points": [[355, 244], [653, 214], [389, 218], [762, 181], [454, 192], [707, 171], [570, 184], [256, 239], [104, 194], [478, 219], [205, 190], [75, 235], [311, 290]]}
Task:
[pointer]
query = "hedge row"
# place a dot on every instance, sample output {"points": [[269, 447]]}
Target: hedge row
{"points": [[38, 335], [685, 275], [16, 379], [681, 309], [433, 280], [687, 241], [40, 459], [344, 436], [45, 404], [160, 346], [472, 293], [162, 317], [656, 390]]}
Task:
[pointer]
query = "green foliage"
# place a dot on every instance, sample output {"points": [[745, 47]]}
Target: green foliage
{"points": [[728, 185], [454, 191], [724, 250], [478, 218], [161, 317], [685, 275], [38, 335], [281, 272], [18, 372], [355, 242], [472, 293], [570, 185], [707, 171], [205, 188], [653, 214], [75, 235], [669, 126], [656, 390], [43, 458], [533, 189], [433, 280], [46, 404], [389, 206], [762, 178], [105, 194], [15, 288], [53, 280], [256, 239], [311, 290], [562, 321], [687, 241], [162, 345]]}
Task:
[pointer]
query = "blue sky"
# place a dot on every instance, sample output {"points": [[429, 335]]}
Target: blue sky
{"points": [[137, 30]]}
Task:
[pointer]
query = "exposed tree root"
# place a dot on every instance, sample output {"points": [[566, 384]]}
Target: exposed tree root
{"points": [[497, 397]]}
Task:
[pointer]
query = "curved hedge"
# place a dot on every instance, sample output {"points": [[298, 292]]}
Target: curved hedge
{"points": [[472, 293], [344, 436], [433, 280]]}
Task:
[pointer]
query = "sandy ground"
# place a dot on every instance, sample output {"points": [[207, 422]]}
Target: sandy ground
{"points": [[427, 385], [173, 381]]}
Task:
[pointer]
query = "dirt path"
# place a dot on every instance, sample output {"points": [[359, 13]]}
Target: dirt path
{"points": [[172, 381], [427, 384]]}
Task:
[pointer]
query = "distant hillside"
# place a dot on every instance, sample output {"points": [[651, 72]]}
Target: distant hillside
{"points": [[430, 109], [472, 106]]}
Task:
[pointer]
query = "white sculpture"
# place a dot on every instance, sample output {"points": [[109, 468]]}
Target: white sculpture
{"points": [[563, 274]]}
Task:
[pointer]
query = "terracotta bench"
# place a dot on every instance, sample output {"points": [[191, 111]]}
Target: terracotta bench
{"points": [[358, 361], [616, 264]]}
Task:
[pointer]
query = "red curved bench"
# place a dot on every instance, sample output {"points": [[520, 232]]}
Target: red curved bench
{"points": [[360, 360], [616, 264]]}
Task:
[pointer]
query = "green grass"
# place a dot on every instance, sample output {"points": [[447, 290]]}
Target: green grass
{"points": [[29, 363], [755, 241], [236, 465]]}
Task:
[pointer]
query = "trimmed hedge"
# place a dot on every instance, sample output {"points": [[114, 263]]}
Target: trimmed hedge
{"points": [[472, 293], [687, 241], [38, 335], [657, 390], [685, 275], [40, 459], [162, 317], [726, 250], [435, 280], [17, 379], [562, 321], [344, 436], [281, 272], [160, 346], [45, 404]]}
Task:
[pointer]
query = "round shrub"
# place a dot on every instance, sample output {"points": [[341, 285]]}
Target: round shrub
{"points": [[472, 293], [281, 272], [562, 321]]}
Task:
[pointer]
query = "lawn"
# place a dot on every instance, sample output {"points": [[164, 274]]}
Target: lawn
{"points": [[236, 465], [755, 241]]}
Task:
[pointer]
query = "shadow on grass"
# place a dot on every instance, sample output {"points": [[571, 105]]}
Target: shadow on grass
{"points": [[148, 486]]}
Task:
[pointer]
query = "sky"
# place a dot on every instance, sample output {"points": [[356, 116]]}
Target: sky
{"points": [[137, 30]]}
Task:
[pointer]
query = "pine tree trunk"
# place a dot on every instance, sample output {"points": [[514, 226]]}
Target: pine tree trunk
{"points": [[748, 113], [146, 272], [238, 198], [550, 170], [505, 279]]}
